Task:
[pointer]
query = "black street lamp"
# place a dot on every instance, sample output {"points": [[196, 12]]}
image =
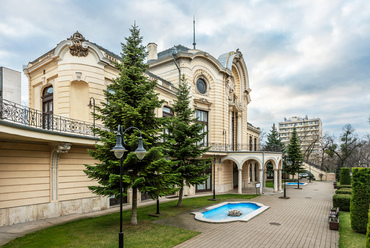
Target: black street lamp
{"points": [[299, 166], [287, 161], [92, 105], [214, 179], [310, 176], [119, 150]]}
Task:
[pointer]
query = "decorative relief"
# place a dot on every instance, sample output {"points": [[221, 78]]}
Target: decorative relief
{"points": [[78, 49], [203, 103]]}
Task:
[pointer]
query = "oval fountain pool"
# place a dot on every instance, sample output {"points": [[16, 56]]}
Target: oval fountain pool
{"points": [[295, 184], [219, 213]]}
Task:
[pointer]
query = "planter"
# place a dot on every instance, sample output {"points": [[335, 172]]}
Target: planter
{"points": [[335, 185], [334, 224]]}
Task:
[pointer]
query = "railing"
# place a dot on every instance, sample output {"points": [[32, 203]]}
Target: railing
{"points": [[13, 112], [241, 147]]}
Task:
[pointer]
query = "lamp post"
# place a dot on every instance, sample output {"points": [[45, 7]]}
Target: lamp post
{"points": [[214, 179], [287, 160], [119, 150], [299, 165], [92, 105]]}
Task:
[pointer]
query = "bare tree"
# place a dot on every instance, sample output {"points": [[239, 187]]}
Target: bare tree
{"points": [[325, 160], [310, 143], [348, 146]]}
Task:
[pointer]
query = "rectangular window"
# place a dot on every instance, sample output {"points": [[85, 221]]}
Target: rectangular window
{"points": [[202, 116]]}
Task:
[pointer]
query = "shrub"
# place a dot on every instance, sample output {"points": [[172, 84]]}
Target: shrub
{"points": [[360, 199], [345, 177], [344, 186], [342, 201], [344, 191], [368, 232]]}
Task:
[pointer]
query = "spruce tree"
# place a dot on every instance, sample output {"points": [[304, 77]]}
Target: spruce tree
{"points": [[130, 102], [295, 154], [184, 142], [274, 143]]}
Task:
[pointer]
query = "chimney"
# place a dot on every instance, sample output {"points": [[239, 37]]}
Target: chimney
{"points": [[152, 51]]}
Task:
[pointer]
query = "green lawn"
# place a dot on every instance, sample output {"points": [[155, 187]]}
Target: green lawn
{"points": [[270, 184], [103, 231], [347, 237]]}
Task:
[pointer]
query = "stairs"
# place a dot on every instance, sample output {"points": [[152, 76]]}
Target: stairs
{"points": [[313, 168]]}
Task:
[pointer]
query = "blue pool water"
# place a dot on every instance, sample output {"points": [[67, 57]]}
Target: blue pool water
{"points": [[220, 213], [294, 183]]}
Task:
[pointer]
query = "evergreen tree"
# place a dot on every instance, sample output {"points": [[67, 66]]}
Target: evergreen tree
{"points": [[274, 142], [295, 154], [130, 102], [184, 142]]}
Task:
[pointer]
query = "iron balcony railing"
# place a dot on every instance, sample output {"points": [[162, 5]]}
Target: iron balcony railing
{"points": [[241, 147], [13, 112]]}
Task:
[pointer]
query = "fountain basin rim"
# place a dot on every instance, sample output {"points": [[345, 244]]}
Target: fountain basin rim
{"points": [[199, 214]]}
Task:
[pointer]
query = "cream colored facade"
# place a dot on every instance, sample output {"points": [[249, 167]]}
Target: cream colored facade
{"points": [[63, 81]]}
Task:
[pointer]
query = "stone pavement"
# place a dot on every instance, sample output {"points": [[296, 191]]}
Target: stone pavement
{"points": [[299, 222], [303, 222]]}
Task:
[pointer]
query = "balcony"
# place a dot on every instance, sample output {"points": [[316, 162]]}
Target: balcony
{"points": [[15, 113]]}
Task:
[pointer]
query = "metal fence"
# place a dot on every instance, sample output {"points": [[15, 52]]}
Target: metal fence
{"points": [[13, 112]]}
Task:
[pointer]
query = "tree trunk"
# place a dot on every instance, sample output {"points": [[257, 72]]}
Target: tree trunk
{"points": [[179, 203], [134, 206]]}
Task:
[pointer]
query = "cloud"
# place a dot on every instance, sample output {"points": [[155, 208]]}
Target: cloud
{"points": [[303, 57]]}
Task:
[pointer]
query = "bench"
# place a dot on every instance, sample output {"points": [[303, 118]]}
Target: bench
{"points": [[334, 212]]}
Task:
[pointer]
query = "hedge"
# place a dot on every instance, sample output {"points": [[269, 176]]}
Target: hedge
{"points": [[344, 176], [368, 233], [360, 199], [342, 201], [344, 191], [344, 187]]}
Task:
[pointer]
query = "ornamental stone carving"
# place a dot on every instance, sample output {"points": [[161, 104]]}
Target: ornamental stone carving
{"points": [[78, 49]]}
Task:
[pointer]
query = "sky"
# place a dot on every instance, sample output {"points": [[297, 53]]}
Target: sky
{"points": [[304, 57]]}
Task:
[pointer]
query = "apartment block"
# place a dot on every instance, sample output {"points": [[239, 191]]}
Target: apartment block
{"points": [[309, 132]]}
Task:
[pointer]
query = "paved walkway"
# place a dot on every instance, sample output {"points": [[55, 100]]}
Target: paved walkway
{"points": [[302, 218], [299, 222]]}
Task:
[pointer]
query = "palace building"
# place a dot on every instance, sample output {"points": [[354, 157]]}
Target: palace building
{"points": [[44, 146]]}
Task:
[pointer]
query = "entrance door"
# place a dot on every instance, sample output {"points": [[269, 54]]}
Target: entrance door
{"points": [[47, 108], [235, 176]]}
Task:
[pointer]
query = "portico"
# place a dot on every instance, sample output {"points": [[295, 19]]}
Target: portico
{"points": [[251, 169]]}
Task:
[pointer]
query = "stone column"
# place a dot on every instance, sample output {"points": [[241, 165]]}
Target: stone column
{"points": [[253, 174], [240, 186], [249, 173], [230, 128], [280, 182], [276, 179], [261, 176], [239, 135]]}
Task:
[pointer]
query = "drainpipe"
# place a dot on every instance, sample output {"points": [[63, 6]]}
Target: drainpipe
{"points": [[174, 53], [263, 171]]}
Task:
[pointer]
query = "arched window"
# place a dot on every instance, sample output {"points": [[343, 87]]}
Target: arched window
{"points": [[47, 107]]}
